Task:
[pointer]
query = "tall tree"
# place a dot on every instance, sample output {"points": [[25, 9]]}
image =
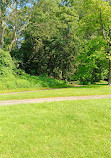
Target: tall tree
{"points": [[16, 15], [95, 23], [53, 39]]}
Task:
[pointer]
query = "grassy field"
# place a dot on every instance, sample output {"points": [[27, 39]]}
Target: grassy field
{"points": [[74, 91], [67, 129]]}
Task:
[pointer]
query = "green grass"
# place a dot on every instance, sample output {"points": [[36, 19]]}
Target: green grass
{"points": [[67, 129], [74, 91], [12, 78], [25, 81]]}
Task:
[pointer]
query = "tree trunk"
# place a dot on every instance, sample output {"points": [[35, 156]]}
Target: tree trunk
{"points": [[10, 46], [1, 46], [14, 40], [61, 75], [1, 34], [109, 80], [2, 26]]}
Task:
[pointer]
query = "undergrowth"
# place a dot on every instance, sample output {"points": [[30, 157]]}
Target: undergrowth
{"points": [[27, 81], [11, 78]]}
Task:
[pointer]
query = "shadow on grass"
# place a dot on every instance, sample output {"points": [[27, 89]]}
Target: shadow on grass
{"points": [[88, 86]]}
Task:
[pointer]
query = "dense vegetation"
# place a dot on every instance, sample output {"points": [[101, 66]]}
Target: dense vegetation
{"points": [[64, 39], [43, 45], [12, 78]]}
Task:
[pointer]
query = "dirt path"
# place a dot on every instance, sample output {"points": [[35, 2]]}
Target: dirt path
{"points": [[42, 100]]}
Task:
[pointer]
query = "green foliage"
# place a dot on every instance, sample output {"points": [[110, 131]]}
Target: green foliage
{"points": [[50, 41], [38, 81], [14, 17], [11, 78], [92, 64], [24, 80], [6, 64], [66, 39], [94, 27]]}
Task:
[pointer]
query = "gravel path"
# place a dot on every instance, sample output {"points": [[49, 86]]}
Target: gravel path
{"points": [[42, 100]]}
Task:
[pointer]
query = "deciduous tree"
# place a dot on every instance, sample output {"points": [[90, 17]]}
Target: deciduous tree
{"points": [[14, 14]]}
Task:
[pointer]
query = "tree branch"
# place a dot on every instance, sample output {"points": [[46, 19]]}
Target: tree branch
{"points": [[104, 34]]}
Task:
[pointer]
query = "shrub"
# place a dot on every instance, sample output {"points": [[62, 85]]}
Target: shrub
{"points": [[6, 64]]}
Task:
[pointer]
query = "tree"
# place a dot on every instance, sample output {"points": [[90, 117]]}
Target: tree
{"points": [[7, 66], [52, 38], [95, 23], [14, 14]]}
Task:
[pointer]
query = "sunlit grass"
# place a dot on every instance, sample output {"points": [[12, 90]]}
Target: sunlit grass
{"points": [[74, 91], [72, 129]]}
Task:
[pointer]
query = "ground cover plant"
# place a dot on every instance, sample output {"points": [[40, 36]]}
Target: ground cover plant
{"points": [[72, 129], [26, 81], [13, 78], [63, 92]]}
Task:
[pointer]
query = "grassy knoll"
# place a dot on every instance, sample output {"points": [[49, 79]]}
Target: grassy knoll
{"points": [[74, 91], [12, 78], [25, 81], [72, 129]]}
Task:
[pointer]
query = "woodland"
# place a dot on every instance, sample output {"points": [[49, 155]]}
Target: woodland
{"points": [[64, 39]]}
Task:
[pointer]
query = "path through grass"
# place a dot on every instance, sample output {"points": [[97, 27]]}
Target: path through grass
{"points": [[72, 129]]}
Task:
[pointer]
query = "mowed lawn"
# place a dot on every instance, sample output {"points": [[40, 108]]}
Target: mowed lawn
{"points": [[67, 129], [74, 91]]}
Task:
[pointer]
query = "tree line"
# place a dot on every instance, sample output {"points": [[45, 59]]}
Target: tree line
{"points": [[66, 39]]}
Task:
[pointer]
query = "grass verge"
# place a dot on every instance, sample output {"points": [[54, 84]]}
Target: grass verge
{"points": [[74, 91], [72, 129]]}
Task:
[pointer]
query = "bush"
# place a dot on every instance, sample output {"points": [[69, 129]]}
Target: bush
{"points": [[6, 64], [12, 78]]}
